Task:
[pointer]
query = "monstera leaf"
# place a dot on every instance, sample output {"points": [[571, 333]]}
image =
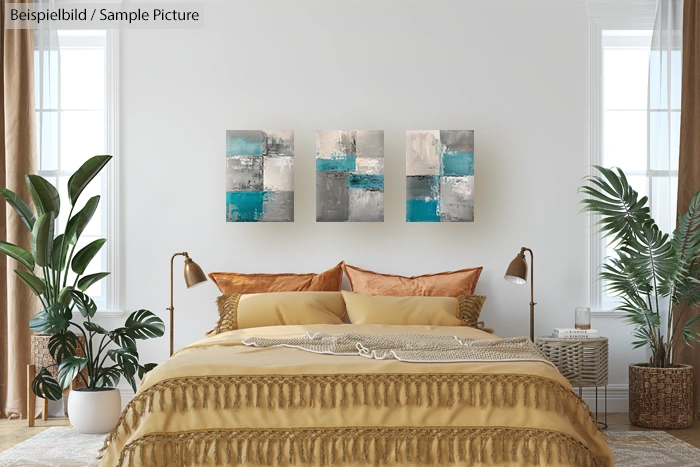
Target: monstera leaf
{"points": [[69, 369], [52, 320], [143, 324], [85, 304], [63, 345], [45, 386]]}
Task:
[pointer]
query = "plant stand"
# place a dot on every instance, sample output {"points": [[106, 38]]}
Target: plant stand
{"points": [[41, 357]]}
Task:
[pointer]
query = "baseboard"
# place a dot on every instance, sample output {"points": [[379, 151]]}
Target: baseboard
{"points": [[618, 399], [126, 392]]}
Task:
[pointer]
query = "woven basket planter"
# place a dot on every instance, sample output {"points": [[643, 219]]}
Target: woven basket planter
{"points": [[41, 356], [661, 397]]}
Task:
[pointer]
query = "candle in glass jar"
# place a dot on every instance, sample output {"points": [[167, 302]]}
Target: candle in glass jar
{"points": [[583, 318]]}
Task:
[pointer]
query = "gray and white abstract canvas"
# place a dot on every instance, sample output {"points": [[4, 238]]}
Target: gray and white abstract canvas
{"points": [[440, 176], [259, 176], [350, 176]]}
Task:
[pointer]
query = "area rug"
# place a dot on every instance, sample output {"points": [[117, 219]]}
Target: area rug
{"points": [[55, 447], [64, 447], [651, 448]]}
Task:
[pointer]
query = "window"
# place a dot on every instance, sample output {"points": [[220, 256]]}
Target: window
{"points": [[629, 129], [76, 110]]}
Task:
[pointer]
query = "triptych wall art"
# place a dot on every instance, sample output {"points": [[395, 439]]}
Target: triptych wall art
{"points": [[349, 176], [440, 176], [259, 176]]}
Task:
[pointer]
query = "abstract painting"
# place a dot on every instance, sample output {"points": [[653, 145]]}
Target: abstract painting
{"points": [[350, 176], [440, 176], [259, 176]]}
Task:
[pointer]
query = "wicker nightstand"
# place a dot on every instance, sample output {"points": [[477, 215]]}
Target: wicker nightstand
{"points": [[584, 362]]}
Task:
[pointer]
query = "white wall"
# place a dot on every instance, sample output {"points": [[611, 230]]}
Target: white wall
{"points": [[515, 72]]}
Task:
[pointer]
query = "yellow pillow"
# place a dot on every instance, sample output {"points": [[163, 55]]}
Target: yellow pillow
{"points": [[427, 311], [240, 311]]}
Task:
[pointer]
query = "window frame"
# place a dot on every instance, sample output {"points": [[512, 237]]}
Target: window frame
{"points": [[111, 305], [603, 15]]}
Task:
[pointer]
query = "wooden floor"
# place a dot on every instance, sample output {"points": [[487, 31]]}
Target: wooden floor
{"points": [[15, 431]]}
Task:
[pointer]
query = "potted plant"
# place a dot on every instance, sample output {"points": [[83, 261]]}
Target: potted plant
{"points": [[54, 271], [655, 276]]}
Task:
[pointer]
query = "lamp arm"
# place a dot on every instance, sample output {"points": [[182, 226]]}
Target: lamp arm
{"points": [[171, 309], [532, 292]]}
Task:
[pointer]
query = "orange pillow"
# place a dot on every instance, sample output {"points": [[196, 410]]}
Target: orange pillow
{"points": [[442, 284], [234, 282]]}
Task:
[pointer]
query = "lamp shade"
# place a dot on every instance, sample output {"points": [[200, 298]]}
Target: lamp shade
{"points": [[193, 273], [517, 269]]}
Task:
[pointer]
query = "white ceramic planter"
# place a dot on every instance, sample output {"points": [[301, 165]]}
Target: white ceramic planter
{"points": [[94, 412]]}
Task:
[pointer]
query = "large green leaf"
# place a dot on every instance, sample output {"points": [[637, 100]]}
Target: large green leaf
{"points": [[611, 197], [69, 369], [44, 195], [108, 377], [127, 359], [143, 369], [85, 282], [54, 319], [94, 327], [85, 304], [143, 324], [80, 220], [34, 283], [20, 206], [59, 253], [64, 295], [128, 362], [84, 175], [62, 345], [82, 259], [18, 253], [45, 386], [121, 337], [42, 239]]}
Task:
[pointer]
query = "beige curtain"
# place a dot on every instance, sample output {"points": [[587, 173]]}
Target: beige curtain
{"points": [[689, 157], [17, 158]]}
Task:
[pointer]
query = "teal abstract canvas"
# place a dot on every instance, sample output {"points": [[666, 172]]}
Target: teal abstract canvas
{"points": [[440, 176], [350, 176], [259, 176]]}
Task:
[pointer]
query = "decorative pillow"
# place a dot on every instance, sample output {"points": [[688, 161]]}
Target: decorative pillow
{"points": [[427, 311], [234, 282], [240, 311], [442, 284]]}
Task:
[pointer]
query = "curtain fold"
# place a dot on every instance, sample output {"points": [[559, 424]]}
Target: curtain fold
{"points": [[689, 158], [17, 158]]}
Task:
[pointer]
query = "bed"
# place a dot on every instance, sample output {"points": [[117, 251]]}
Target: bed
{"points": [[220, 402]]}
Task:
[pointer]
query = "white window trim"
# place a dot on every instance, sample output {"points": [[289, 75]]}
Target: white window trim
{"points": [[619, 15], [113, 232]]}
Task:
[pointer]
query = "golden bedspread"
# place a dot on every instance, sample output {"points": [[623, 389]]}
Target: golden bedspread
{"points": [[218, 402]]}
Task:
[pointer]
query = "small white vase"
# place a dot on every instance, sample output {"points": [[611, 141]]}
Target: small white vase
{"points": [[94, 412]]}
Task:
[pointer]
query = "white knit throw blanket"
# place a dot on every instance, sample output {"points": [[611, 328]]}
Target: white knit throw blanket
{"points": [[415, 348]]}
